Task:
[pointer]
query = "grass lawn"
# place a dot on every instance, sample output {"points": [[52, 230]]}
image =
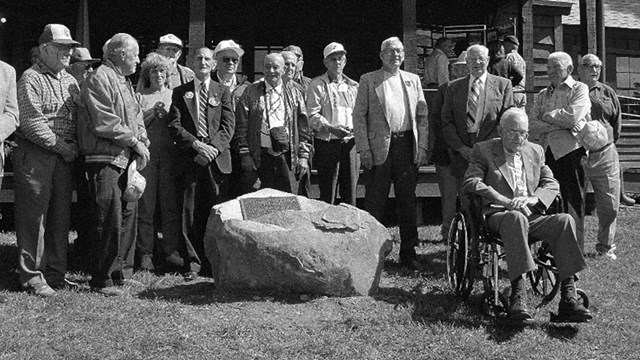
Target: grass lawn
{"points": [[414, 316]]}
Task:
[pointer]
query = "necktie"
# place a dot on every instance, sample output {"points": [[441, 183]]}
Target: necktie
{"points": [[472, 103], [275, 102], [202, 111]]}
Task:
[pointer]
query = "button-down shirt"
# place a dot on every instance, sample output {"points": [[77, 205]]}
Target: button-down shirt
{"points": [[482, 82], [48, 107], [518, 175], [514, 59], [396, 102], [605, 107], [273, 117], [436, 68], [331, 103], [555, 112]]}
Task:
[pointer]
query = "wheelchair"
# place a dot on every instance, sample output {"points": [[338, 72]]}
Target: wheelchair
{"points": [[474, 253]]}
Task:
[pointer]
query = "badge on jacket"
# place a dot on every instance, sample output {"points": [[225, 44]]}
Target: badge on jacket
{"points": [[213, 101], [189, 95], [407, 83]]}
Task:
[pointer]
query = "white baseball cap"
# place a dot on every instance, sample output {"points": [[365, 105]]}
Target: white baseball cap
{"points": [[136, 183], [228, 45], [170, 39], [334, 47], [58, 34]]}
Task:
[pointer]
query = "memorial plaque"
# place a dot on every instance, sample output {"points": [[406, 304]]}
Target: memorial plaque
{"points": [[256, 207]]}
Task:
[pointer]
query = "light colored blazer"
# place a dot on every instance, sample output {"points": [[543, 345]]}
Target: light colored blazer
{"points": [[498, 98], [370, 117], [8, 106], [488, 174]]}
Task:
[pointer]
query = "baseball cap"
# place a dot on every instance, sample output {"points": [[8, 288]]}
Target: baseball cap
{"points": [[294, 49], [170, 39], [512, 39], [136, 183], [58, 34], [228, 45], [333, 47], [82, 54]]}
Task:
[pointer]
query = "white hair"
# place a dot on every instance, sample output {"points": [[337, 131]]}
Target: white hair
{"points": [[561, 57], [390, 41], [120, 42], [478, 49], [513, 113], [590, 59]]}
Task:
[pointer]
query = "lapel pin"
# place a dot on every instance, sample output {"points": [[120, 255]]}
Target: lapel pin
{"points": [[213, 101], [188, 95]]}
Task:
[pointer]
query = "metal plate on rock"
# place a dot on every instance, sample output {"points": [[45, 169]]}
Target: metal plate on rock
{"points": [[255, 207]]}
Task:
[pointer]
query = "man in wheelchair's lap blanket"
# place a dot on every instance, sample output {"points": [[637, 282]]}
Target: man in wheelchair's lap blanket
{"points": [[510, 174]]}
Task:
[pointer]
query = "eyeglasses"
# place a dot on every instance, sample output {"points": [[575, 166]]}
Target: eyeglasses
{"points": [[512, 134], [169, 48], [588, 66], [61, 48], [230, 59]]}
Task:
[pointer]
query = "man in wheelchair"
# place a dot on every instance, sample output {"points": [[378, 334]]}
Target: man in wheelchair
{"points": [[516, 187]]}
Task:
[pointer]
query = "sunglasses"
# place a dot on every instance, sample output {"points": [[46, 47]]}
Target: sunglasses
{"points": [[230, 59]]}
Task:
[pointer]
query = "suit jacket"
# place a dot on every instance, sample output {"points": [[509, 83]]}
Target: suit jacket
{"points": [[498, 98], [488, 174], [220, 118], [8, 107], [250, 114], [370, 119]]}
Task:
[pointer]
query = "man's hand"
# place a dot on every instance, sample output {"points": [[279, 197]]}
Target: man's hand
{"points": [[366, 160], [70, 152], [338, 131], [207, 151], [201, 160], [465, 151], [142, 150], [522, 204], [302, 168], [423, 157], [247, 163]]}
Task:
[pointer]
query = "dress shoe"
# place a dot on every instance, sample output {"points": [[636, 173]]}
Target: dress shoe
{"points": [[107, 291], [146, 263], [518, 309], [569, 310], [190, 276], [626, 200], [66, 285], [42, 289]]}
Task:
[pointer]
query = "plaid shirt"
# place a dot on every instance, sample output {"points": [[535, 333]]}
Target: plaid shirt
{"points": [[514, 59], [47, 105]]}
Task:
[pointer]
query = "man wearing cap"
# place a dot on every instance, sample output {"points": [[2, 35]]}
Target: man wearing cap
{"points": [[201, 122], [291, 70], [273, 138], [227, 55], [81, 64], [391, 131], [44, 162], [299, 77], [436, 65], [170, 46], [112, 138], [330, 104], [556, 110], [8, 114], [516, 61]]}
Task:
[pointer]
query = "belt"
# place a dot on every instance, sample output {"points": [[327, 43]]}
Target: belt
{"points": [[400, 134]]}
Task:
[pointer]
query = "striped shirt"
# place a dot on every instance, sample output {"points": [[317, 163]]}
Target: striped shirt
{"points": [[47, 105]]}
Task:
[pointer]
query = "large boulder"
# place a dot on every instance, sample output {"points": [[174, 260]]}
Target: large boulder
{"points": [[271, 240]]}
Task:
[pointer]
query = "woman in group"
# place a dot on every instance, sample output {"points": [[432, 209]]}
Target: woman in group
{"points": [[155, 100]]}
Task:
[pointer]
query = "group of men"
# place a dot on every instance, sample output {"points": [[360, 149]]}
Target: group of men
{"points": [[233, 137]]}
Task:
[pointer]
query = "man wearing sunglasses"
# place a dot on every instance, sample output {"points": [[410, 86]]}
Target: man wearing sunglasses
{"points": [[228, 54], [81, 64]]}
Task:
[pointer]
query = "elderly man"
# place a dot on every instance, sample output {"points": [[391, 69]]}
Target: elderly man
{"points": [[273, 138], [391, 131], [201, 122], [112, 137], [81, 64], [436, 65], [8, 114], [44, 162], [170, 46], [439, 151], [602, 166], [472, 109], [517, 188], [556, 110], [290, 70], [330, 104], [299, 76], [227, 55], [511, 45]]}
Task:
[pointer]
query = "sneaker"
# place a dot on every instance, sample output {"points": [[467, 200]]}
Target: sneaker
{"points": [[66, 285], [569, 310], [146, 263], [609, 254], [41, 289], [107, 291]]}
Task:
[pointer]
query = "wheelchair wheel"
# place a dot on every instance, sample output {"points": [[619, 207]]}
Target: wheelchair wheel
{"points": [[583, 298], [495, 307], [458, 256]]}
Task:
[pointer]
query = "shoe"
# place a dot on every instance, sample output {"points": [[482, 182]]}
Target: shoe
{"points": [[626, 200], [190, 276], [174, 260], [42, 289], [146, 263], [518, 309], [66, 285], [609, 254], [569, 310], [107, 291]]}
